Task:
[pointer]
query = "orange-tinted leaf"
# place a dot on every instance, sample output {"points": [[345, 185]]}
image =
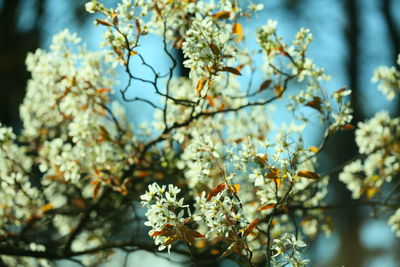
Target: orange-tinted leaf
{"points": [[103, 90], [217, 189], [238, 29], [221, 15], [264, 85], [190, 235], [103, 22], [308, 174], [133, 53], [211, 100], [47, 207], [232, 70], [313, 149], [261, 160], [278, 182], [251, 227], [279, 90], [266, 207], [315, 103], [200, 85], [234, 188], [273, 173], [347, 127], [214, 252]]}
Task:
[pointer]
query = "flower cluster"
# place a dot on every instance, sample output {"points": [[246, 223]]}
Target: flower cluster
{"points": [[389, 80], [286, 251]]}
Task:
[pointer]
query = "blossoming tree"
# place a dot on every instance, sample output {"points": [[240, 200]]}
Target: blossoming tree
{"points": [[212, 176]]}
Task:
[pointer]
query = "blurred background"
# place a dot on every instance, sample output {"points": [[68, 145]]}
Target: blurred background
{"points": [[351, 38]]}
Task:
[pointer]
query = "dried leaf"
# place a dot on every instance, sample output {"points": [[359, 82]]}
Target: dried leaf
{"points": [[103, 22], [217, 189], [308, 174], [238, 29], [200, 85], [264, 85], [232, 70], [266, 207], [221, 15]]}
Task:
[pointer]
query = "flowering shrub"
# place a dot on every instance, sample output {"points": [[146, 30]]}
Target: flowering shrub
{"points": [[212, 174]]}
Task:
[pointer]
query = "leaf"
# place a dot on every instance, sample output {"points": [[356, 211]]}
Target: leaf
{"points": [[221, 15], [138, 29], [47, 207], [217, 189], [251, 227], [96, 190], [133, 53], [170, 240], [315, 103], [238, 29], [313, 149], [273, 173], [261, 160], [308, 174], [264, 85], [232, 70], [103, 91], [234, 188], [267, 207], [210, 100], [279, 90], [200, 85], [103, 22], [215, 49], [347, 127], [190, 235]]}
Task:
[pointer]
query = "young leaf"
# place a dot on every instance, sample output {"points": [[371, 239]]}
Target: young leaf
{"points": [[316, 103], [264, 85], [232, 70], [47, 207], [200, 85], [221, 15], [308, 174], [237, 29], [103, 22], [251, 227], [267, 207], [217, 189]]}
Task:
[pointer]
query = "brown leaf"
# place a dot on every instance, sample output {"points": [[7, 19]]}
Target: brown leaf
{"points": [[138, 29], [215, 49], [217, 189], [347, 127], [96, 190], [308, 174], [279, 90], [232, 70], [200, 85], [211, 100], [103, 22], [315, 103], [264, 85]]}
